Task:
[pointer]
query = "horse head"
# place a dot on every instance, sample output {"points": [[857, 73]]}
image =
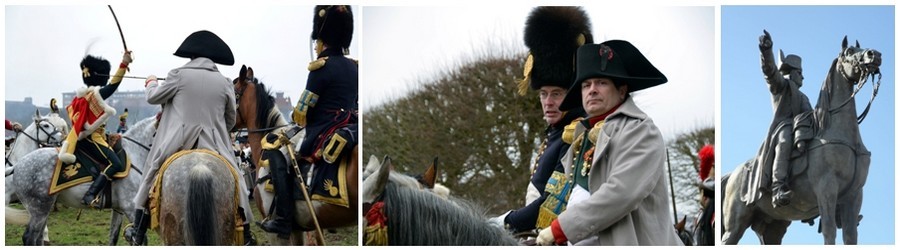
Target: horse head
{"points": [[49, 130], [244, 85], [856, 63]]}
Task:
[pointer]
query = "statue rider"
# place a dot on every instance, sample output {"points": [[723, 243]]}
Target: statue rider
{"points": [[788, 102]]}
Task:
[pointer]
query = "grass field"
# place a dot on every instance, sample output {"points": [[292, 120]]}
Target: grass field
{"points": [[93, 227]]}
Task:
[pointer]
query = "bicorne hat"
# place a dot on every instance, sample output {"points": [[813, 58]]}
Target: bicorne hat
{"points": [[789, 62], [552, 35], [94, 71], [333, 25], [617, 60], [206, 44]]}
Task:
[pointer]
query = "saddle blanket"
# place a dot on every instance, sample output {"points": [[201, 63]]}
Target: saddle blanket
{"points": [[80, 171], [329, 183]]}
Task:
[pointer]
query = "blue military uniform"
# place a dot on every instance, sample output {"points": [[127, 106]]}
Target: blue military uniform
{"points": [[552, 34]]}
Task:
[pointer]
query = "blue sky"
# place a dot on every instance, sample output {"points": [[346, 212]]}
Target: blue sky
{"points": [[814, 33]]}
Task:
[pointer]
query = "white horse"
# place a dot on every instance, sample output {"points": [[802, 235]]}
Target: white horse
{"points": [[34, 171]]}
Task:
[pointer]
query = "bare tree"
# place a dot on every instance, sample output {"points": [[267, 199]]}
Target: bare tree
{"points": [[484, 134]]}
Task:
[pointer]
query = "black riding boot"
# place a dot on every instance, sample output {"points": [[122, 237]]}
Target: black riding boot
{"points": [[137, 234], [283, 218], [99, 183]]}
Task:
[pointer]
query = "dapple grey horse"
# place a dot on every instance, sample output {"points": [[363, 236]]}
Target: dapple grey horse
{"points": [[45, 131], [198, 200], [34, 171], [838, 164]]}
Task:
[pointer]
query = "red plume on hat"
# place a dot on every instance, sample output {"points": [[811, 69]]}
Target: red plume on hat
{"points": [[707, 157]]}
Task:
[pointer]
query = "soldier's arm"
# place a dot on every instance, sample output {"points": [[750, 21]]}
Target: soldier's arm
{"points": [[767, 62], [109, 89], [230, 108]]}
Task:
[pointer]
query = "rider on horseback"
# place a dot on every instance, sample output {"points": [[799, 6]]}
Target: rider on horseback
{"points": [[327, 108], [123, 127], [198, 106], [89, 113], [784, 84], [552, 34]]}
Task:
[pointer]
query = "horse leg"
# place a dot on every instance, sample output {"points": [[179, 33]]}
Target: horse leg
{"points": [[736, 214], [826, 197], [115, 225], [34, 231], [849, 216]]}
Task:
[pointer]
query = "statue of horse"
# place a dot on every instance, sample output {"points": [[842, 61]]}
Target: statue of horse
{"points": [[827, 180], [257, 113], [44, 131], [32, 182], [198, 200], [401, 213]]}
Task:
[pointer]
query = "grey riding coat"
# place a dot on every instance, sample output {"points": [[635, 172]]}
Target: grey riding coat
{"points": [[629, 201]]}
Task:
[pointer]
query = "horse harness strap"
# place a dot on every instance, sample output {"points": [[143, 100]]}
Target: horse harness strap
{"points": [[375, 233]]}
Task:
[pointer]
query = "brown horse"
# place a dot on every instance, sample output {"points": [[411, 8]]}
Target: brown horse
{"points": [[253, 100]]}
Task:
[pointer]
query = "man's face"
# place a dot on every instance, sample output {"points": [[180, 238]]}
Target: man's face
{"points": [[600, 95], [551, 97], [797, 76]]}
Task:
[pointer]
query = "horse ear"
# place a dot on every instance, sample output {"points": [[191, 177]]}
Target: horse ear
{"points": [[37, 114], [844, 43], [680, 225], [249, 73], [857, 44], [431, 174], [241, 76], [381, 178]]}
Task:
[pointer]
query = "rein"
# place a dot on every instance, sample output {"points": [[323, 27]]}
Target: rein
{"points": [[859, 84], [40, 143], [136, 142]]}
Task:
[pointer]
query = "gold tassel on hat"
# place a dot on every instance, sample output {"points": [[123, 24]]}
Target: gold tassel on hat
{"points": [[523, 84]]}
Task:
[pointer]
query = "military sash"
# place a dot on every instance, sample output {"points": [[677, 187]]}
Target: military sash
{"points": [[558, 190]]}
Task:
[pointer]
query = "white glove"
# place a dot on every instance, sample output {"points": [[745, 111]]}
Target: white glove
{"points": [[150, 78], [545, 237], [126, 58], [499, 221]]}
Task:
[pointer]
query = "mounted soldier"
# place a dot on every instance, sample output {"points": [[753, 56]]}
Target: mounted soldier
{"points": [[123, 120], [198, 111], [89, 113], [619, 194], [326, 108], [791, 112], [552, 34]]}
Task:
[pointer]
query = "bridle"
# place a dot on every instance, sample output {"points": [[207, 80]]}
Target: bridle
{"points": [[238, 94], [865, 73], [51, 142]]}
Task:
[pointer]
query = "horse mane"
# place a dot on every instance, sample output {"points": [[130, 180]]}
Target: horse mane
{"points": [[822, 113], [265, 102], [420, 218]]}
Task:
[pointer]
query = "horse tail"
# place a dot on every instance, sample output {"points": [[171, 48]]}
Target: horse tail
{"points": [[201, 212], [17, 216]]}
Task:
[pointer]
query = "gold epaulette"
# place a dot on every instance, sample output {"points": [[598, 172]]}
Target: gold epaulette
{"points": [[568, 135], [317, 64]]}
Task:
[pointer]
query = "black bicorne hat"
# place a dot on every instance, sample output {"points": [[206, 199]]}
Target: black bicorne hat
{"points": [[617, 60], [94, 71], [552, 35], [206, 44], [333, 25]]}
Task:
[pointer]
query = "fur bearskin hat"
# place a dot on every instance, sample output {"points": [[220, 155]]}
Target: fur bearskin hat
{"points": [[333, 25], [552, 35], [94, 71]]}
